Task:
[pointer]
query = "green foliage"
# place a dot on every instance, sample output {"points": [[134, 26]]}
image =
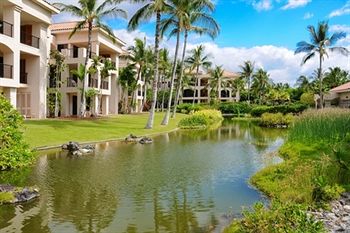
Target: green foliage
{"points": [[307, 98], [188, 108], [290, 108], [14, 152], [235, 108], [279, 218], [276, 120], [323, 192], [202, 119], [6, 197], [327, 125]]}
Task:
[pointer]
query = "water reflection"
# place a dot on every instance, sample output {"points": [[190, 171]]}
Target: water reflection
{"points": [[184, 182]]}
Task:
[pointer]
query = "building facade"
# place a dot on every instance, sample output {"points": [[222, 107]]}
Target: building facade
{"points": [[202, 89], [338, 96], [74, 49], [24, 53]]}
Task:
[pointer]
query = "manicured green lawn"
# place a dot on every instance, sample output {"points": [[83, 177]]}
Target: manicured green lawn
{"points": [[52, 132]]}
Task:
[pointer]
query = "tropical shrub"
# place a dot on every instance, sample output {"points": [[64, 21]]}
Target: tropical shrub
{"points": [[278, 218], [276, 120], [14, 152], [295, 108], [188, 108], [307, 98], [235, 108], [201, 119]]}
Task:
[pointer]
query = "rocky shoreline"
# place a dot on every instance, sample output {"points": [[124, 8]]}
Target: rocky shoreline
{"points": [[11, 194], [337, 218]]}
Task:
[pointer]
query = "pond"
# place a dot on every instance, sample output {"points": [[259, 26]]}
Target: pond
{"points": [[186, 181]]}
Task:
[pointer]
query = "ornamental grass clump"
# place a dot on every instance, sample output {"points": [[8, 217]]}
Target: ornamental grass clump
{"points": [[14, 152], [327, 126], [276, 120], [202, 119]]}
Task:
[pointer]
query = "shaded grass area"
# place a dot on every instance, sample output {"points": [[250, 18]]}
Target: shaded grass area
{"points": [[53, 132], [316, 169]]}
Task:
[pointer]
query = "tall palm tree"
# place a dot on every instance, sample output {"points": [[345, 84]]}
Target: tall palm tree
{"points": [[261, 83], [151, 8], [303, 83], [91, 14], [176, 23], [247, 71], [198, 60], [147, 73], [321, 43], [215, 81], [106, 67], [198, 20], [164, 67]]}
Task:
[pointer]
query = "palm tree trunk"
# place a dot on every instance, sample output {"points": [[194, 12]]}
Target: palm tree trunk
{"points": [[163, 97], [249, 85], [144, 96], [56, 93], [150, 121], [177, 96], [173, 75], [195, 86], [88, 55], [321, 82]]}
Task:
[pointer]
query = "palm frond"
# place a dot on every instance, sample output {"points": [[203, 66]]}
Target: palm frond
{"points": [[144, 13], [307, 57]]}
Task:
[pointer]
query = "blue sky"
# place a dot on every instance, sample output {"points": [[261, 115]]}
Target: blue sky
{"points": [[264, 31]]}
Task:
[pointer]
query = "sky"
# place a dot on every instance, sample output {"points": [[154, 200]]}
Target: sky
{"points": [[263, 31]]}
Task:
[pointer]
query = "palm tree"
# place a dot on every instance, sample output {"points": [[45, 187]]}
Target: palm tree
{"points": [[157, 8], [106, 68], [321, 43], [164, 67], [198, 21], [303, 83], [138, 57], [237, 85], [178, 18], [261, 83], [91, 14], [215, 81], [247, 71], [128, 83], [197, 60], [335, 77], [147, 73]]}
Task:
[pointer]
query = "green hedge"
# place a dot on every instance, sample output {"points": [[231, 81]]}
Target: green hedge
{"points": [[201, 119], [235, 108], [14, 152], [284, 109]]}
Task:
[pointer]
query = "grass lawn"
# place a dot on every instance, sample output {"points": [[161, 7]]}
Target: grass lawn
{"points": [[53, 132]]}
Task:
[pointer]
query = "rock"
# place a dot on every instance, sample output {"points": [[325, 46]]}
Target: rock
{"points": [[88, 147], [73, 146], [86, 151], [146, 140], [75, 149], [347, 208], [16, 194]]}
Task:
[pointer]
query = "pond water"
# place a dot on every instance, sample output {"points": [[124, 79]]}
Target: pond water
{"points": [[186, 181]]}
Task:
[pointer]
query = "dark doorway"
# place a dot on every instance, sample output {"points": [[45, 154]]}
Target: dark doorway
{"points": [[75, 105], [1, 67]]}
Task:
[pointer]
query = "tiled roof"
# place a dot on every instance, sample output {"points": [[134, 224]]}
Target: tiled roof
{"points": [[64, 26], [226, 74], [342, 88]]}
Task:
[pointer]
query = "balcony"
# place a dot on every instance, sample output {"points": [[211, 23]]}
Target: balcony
{"points": [[6, 28], [30, 40], [72, 82], [93, 82], [75, 52], [6, 71], [23, 78], [104, 85]]}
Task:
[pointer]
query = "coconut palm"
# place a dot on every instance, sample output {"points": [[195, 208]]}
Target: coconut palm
{"points": [[164, 68], [151, 8], [261, 83], [147, 73], [247, 71], [178, 13], [197, 60], [321, 43], [197, 20], [91, 14], [128, 83], [215, 82], [303, 83]]}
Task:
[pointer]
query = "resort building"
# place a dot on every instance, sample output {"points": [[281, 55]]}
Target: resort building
{"points": [[203, 89], [24, 52], [74, 49], [339, 96]]}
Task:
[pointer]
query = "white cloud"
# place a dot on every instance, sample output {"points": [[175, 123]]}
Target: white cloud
{"points": [[345, 10], [129, 37], [262, 5], [339, 28], [308, 15], [295, 4]]}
